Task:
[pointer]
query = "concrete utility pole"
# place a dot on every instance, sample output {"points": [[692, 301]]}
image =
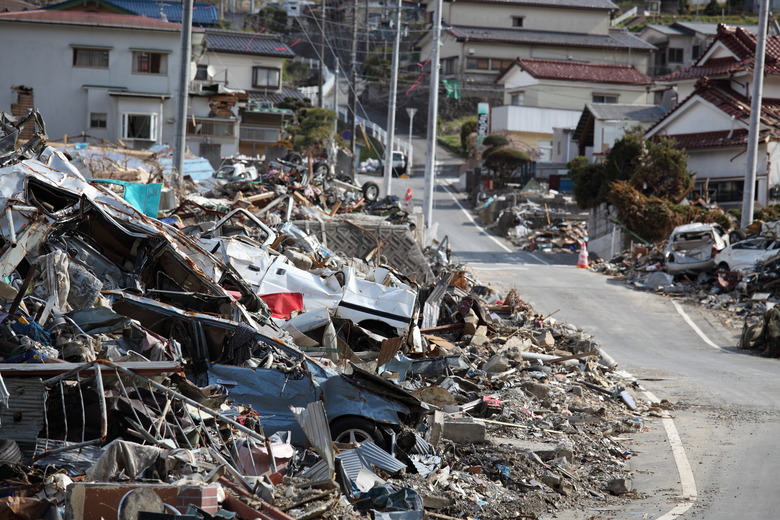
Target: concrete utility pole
{"points": [[391, 104], [322, 59], [433, 109], [749, 189], [353, 83], [180, 144]]}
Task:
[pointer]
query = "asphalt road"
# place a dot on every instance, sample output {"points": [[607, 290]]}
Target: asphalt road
{"points": [[725, 402]]}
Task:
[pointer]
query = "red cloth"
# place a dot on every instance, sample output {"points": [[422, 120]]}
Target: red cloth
{"points": [[282, 305]]}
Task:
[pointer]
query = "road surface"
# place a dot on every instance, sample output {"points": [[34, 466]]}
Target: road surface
{"points": [[725, 402]]}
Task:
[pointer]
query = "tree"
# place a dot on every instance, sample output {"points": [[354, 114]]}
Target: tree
{"points": [[504, 161], [316, 129], [712, 8], [493, 142], [468, 128]]}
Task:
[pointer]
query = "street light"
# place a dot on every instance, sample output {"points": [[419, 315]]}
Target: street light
{"points": [[410, 112]]}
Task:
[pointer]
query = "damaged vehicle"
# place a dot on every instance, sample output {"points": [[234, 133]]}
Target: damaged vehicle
{"points": [[379, 302], [692, 247], [260, 369], [745, 254]]}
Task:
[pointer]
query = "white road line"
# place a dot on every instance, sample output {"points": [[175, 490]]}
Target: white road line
{"points": [[695, 327], [687, 482], [505, 268], [482, 230]]}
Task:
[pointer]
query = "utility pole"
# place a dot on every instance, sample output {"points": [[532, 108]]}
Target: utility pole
{"points": [[433, 109], [322, 59], [353, 83], [749, 189], [332, 155], [391, 104], [180, 143]]}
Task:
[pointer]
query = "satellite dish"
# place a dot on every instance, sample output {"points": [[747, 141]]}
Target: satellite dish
{"points": [[211, 71]]}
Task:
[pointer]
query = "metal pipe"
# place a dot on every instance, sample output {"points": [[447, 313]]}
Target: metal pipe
{"points": [[102, 401], [9, 215]]}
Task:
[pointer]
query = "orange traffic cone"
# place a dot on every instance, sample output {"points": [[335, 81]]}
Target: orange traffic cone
{"points": [[582, 261]]}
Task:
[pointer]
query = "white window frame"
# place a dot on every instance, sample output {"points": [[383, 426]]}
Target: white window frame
{"points": [[94, 53], [153, 127]]}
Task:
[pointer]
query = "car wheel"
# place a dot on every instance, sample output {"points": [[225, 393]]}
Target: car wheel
{"points": [[320, 168], [10, 456], [723, 266], [370, 191], [355, 430], [294, 157], [736, 235]]}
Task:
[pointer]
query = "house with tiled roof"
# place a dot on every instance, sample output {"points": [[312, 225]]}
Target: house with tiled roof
{"points": [[253, 63], [540, 95], [104, 75], [602, 124], [203, 14], [711, 122], [481, 38]]}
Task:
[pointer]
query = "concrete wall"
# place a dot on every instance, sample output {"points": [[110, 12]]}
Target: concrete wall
{"points": [[531, 119]]}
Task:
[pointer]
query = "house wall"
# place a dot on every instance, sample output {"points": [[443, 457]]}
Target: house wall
{"points": [[567, 95], [586, 21], [235, 70], [41, 57]]}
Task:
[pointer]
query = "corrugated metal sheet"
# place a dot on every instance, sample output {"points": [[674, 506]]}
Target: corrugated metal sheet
{"points": [[367, 455], [79, 459], [314, 422], [22, 420]]}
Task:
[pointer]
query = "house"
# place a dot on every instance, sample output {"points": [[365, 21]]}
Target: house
{"points": [[481, 38], [540, 95], [203, 14], [601, 124], [254, 64], [9, 6], [679, 44], [711, 122], [109, 76]]}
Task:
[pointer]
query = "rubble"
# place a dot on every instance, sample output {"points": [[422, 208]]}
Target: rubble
{"points": [[222, 361]]}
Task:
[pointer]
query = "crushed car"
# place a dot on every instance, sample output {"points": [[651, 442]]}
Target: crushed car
{"points": [[692, 247]]}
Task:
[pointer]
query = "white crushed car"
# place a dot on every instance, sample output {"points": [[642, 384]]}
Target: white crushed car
{"points": [[745, 254], [692, 247]]}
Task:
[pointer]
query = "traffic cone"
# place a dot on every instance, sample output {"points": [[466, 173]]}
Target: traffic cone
{"points": [[582, 261]]}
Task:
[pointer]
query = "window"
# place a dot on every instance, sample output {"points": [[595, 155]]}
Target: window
{"points": [[139, 126], [210, 128], [696, 52], [448, 66], [488, 64], [98, 120], [517, 21], [149, 62], [605, 98], [265, 77], [675, 55], [517, 99], [90, 58]]}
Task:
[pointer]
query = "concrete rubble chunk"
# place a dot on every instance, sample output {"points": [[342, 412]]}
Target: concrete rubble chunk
{"points": [[496, 363], [464, 430]]}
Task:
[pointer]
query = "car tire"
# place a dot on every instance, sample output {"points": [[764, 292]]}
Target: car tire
{"points": [[10, 456], [320, 168], [351, 429], [370, 191], [723, 266], [736, 235], [294, 157]]}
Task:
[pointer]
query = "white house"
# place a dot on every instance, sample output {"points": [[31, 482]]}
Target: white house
{"points": [[540, 95], [711, 122], [601, 125], [110, 76]]}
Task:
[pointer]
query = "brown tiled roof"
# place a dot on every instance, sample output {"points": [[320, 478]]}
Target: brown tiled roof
{"points": [[576, 71], [743, 44], [732, 103], [94, 19]]}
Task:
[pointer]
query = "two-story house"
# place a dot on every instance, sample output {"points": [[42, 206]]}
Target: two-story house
{"points": [[203, 14], [540, 95], [481, 38], [711, 121], [253, 64], [110, 76]]}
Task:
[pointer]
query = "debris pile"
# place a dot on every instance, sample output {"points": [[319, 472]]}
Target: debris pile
{"points": [[215, 363]]}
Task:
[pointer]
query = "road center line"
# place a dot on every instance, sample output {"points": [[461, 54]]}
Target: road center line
{"points": [[687, 482], [481, 229], [695, 327]]}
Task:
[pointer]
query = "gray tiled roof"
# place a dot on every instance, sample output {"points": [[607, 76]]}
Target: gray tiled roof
{"points": [[615, 39], [274, 97], [644, 113], [569, 4], [247, 43]]}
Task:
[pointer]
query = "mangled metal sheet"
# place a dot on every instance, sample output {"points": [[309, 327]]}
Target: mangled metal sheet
{"points": [[23, 419]]}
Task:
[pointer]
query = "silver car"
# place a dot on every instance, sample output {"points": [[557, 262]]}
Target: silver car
{"points": [[692, 247]]}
